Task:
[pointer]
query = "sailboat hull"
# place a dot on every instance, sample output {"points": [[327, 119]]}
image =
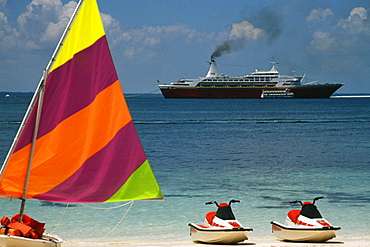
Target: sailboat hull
{"points": [[47, 240]]}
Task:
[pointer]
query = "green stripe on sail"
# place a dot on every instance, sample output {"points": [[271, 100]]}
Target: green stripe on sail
{"points": [[141, 185]]}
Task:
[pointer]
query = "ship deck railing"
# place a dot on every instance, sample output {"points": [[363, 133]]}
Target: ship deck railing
{"points": [[248, 84]]}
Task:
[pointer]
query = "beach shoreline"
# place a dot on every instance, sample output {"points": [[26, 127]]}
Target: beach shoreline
{"points": [[261, 242]]}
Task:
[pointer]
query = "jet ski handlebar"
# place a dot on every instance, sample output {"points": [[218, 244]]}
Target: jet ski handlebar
{"points": [[314, 200], [214, 202], [296, 201], [317, 198]]}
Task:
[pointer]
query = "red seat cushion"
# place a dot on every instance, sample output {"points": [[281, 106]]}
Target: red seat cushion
{"points": [[293, 215], [210, 216]]}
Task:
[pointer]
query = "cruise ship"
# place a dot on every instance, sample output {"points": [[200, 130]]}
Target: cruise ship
{"points": [[259, 84]]}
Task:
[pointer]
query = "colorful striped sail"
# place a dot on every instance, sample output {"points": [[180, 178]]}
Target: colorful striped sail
{"points": [[87, 148]]}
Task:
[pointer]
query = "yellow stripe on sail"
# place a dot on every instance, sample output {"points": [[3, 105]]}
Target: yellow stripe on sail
{"points": [[140, 186], [87, 29]]}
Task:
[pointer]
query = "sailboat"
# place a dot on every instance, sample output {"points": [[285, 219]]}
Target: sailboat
{"points": [[77, 142]]}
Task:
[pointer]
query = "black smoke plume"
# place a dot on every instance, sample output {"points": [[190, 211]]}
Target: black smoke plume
{"points": [[266, 24], [228, 46]]}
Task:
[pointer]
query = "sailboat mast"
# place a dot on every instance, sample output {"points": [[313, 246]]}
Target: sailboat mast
{"points": [[33, 144], [40, 93]]}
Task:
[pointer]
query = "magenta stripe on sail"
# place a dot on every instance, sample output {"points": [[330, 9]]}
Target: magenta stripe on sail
{"points": [[116, 162], [91, 69]]}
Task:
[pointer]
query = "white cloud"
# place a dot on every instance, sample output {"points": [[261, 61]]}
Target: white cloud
{"points": [[142, 40], [246, 30], [319, 14], [54, 29], [8, 35], [356, 22], [158, 33], [151, 41], [346, 35], [131, 52], [112, 28], [44, 21], [322, 42], [360, 12], [40, 27], [39, 11]]}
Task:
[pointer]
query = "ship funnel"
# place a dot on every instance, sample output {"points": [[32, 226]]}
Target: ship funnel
{"points": [[212, 72]]}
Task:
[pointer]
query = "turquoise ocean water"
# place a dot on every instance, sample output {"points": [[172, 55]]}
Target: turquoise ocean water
{"points": [[265, 153]]}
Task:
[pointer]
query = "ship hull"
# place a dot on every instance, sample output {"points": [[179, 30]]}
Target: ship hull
{"points": [[304, 91]]}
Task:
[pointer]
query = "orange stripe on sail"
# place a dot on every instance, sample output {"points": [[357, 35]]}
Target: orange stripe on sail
{"points": [[61, 152]]}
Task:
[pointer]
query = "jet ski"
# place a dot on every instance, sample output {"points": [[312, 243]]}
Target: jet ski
{"points": [[220, 227], [305, 225]]}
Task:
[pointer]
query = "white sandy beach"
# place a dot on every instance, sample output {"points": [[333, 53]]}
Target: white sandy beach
{"points": [[268, 242]]}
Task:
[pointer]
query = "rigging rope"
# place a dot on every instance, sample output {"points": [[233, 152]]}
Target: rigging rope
{"points": [[61, 220], [119, 222], [119, 206]]}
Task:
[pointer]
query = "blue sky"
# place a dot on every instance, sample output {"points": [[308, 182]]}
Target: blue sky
{"points": [[170, 39]]}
